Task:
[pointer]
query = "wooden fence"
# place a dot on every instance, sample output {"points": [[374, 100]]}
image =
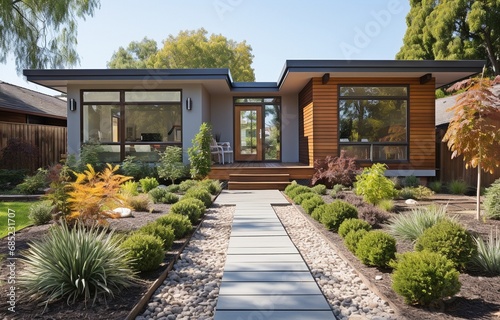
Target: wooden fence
{"points": [[43, 145]]}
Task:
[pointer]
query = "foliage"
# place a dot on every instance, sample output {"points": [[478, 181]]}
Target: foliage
{"points": [[94, 195], [397, 182], [386, 205], [60, 177], [130, 188], [200, 194], [352, 239], [452, 30], [411, 225], [141, 202], [148, 184], [18, 154], [419, 192], [145, 250], [457, 187], [89, 154], [136, 168], [424, 277], [212, 186], [373, 185], [436, 186], [373, 215], [189, 208], [20, 209], [336, 189], [293, 192], [310, 204], [173, 188], [487, 258], [187, 184], [199, 152], [135, 56], [376, 248], [353, 224], [76, 263], [317, 212], [492, 200], [170, 165], [291, 186], [335, 170], [299, 198], [11, 178], [411, 181], [41, 212], [161, 195], [336, 212], [161, 231], [449, 239], [33, 184], [179, 223], [319, 189]]}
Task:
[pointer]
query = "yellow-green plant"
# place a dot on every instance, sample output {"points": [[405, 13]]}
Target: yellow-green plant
{"points": [[373, 185]]}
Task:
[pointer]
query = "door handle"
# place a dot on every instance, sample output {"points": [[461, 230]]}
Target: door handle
{"points": [[260, 133]]}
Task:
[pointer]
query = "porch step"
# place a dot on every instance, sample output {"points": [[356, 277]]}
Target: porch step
{"points": [[247, 177], [239, 181]]}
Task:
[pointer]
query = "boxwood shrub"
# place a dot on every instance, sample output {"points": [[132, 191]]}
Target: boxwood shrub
{"points": [[312, 203], [145, 250], [298, 199], [352, 239], [163, 232], [336, 212], [188, 207], [199, 193], [376, 248], [353, 224], [179, 223]]}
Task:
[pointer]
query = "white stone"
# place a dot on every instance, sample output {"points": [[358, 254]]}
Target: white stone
{"points": [[411, 201], [123, 212]]}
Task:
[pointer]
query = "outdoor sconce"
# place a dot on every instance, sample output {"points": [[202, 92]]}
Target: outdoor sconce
{"points": [[189, 104], [72, 104]]}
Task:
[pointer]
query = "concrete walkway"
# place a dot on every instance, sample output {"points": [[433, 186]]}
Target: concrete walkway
{"points": [[265, 276]]}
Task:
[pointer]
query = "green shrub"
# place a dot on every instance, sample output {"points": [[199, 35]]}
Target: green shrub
{"points": [[187, 184], [291, 186], [129, 188], [199, 153], [449, 239], [411, 181], [353, 224], [319, 189], [41, 212], [487, 258], [11, 178], [457, 187], [436, 186], [173, 188], [352, 239], [298, 199], [145, 250], [213, 186], [298, 190], [89, 154], [161, 231], [77, 263], [310, 204], [318, 212], [148, 184], [179, 223], [492, 200], [33, 184], [373, 185], [336, 189], [200, 194], [336, 212], [398, 184], [140, 203], [424, 277], [189, 208], [376, 248], [386, 205], [418, 193], [132, 167], [170, 165], [161, 195]]}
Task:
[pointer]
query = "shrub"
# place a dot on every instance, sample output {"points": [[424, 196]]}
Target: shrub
{"points": [[319, 189], [33, 184], [90, 263], [424, 277], [170, 165], [141, 202], [187, 184], [199, 152], [200, 194], [457, 187], [11, 178], [146, 251], [352, 239], [351, 198], [135, 168], [310, 204], [173, 188], [89, 155], [318, 212], [372, 185], [449, 239], [148, 184], [376, 248], [335, 170], [129, 189], [161, 195], [213, 186], [179, 223], [373, 215], [492, 200], [41, 212], [397, 182], [487, 258], [418, 193], [353, 224], [161, 231], [336, 189], [60, 178], [336, 212], [298, 199], [386, 205], [291, 186], [411, 181], [189, 208], [18, 154], [411, 225], [298, 190], [436, 186]]}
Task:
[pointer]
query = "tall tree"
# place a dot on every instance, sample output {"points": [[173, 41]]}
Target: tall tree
{"points": [[453, 29], [189, 49], [42, 33]]}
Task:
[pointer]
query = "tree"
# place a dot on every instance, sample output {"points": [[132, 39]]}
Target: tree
{"points": [[453, 29], [474, 130], [42, 34], [189, 49], [170, 165]]}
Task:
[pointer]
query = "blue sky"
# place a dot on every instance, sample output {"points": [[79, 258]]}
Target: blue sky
{"points": [[277, 30]]}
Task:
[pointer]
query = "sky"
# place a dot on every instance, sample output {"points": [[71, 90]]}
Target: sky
{"points": [[277, 30]]}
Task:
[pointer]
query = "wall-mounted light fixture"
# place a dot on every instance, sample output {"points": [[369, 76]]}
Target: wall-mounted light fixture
{"points": [[72, 104], [189, 104]]}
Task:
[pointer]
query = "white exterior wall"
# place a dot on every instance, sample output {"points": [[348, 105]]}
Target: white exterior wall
{"points": [[290, 128]]}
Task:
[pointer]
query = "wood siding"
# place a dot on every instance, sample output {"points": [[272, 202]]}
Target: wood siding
{"points": [[51, 142], [320, 124]]}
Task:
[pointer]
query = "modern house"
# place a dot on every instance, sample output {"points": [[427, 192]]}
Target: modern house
{"points": [[377, 111]]}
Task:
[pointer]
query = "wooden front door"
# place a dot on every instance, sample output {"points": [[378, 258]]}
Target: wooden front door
{"points": [[248, 133]]}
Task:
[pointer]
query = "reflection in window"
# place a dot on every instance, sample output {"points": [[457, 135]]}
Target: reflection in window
{"points": [[272, 131]]}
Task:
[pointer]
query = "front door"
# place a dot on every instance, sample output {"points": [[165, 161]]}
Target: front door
{"points": [[248, 135]]}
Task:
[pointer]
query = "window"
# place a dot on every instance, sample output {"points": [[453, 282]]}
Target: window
{"points": [[136, 123], [373, 122]]}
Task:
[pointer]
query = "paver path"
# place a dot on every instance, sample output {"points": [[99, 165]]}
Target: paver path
{"points": [[265, 276]]}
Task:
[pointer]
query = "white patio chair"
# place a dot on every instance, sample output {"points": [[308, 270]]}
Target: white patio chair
{"points": [[215, 149]]}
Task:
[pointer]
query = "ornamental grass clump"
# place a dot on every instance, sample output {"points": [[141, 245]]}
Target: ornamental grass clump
{"points": [[41, 212], [312, 203], [336, 212], [141, 202], [376, 248], [424, 277], [145, 250], [487, 258], [76, 264], [179, 223], [353, 224]]}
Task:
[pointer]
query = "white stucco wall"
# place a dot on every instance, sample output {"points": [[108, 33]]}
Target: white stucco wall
{"points": [[290, 128]]}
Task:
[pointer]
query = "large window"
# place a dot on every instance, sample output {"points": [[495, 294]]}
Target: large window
{"points": [[135, 123], [373, 123]]}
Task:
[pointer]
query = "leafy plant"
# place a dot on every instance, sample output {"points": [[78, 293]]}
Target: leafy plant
{"points": [[148, 184], [161, 195], [161, 231], [189, 208], [41, 212], [9, 179], [352, 239], [319, 189], [411, 181], [492, 200], [373, 215], [376, 248], [180, 223], [60, 177], [418, 193], [386, 205], [336, 189], [436, 186], [144, 250], [141, 202], [200, 194], [135, 168], [318, 212], [424, 277], [336, 212], [212, 186], [310, 204], [335, 170], [76, 263], [173, 188], [33, 184], [292, 193], [373, 185], [353, 224], [89, 155], [457, 187], [487, 258], [199, 152], [299, 198], [187, 184], [129, 188], [170, 165]]}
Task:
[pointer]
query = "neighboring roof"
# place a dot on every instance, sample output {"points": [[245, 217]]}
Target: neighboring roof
{"points": [[442, 104], [295, 74], [22, 100]]}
